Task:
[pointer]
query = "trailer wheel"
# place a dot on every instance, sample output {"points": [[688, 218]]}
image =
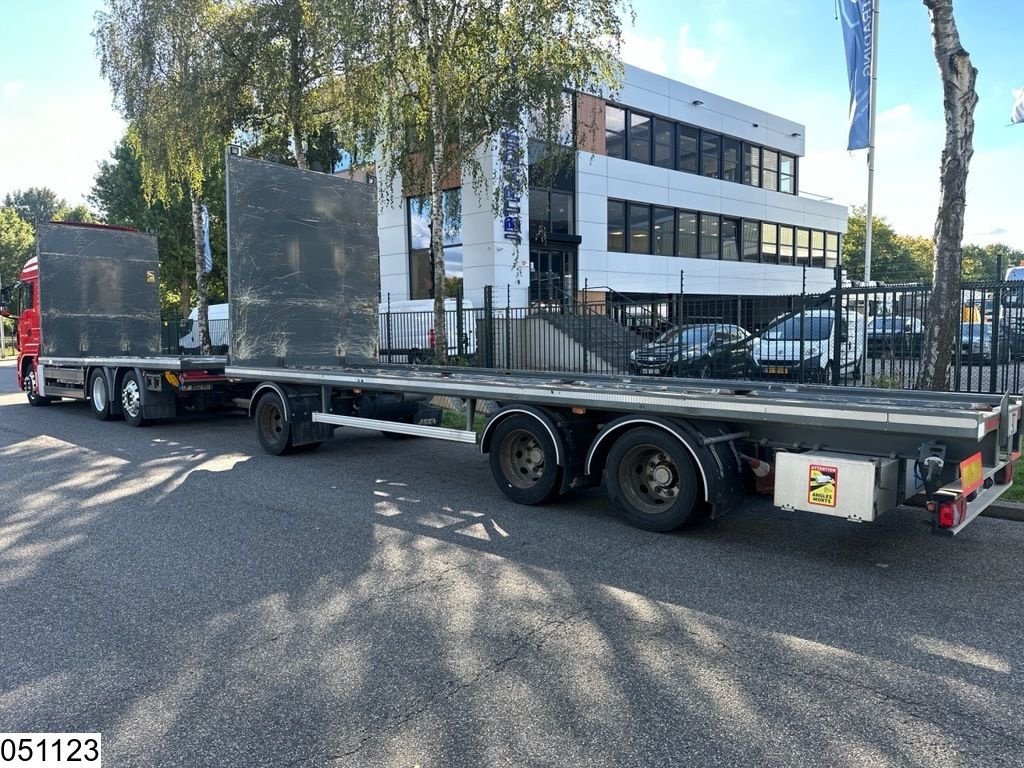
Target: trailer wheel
{"points": [[131, 400], [522, 459], [273, 431], [99, 398], [29, 384], [651, 480]]}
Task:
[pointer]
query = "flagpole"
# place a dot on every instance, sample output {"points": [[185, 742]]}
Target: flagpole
{"points": [[872, 100]]}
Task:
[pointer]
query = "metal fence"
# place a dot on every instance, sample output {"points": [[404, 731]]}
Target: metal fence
{"points": [[854, 336], [180, 337]]}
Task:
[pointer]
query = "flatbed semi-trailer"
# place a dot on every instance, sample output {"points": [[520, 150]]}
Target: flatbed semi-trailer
{"points": [[303, 294]]}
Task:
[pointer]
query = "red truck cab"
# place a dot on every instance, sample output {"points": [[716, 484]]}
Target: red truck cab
{"points": [[21, 301]]}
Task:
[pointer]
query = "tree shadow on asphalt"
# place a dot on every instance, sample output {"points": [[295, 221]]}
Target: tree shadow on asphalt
{"points": [[306, 610]]}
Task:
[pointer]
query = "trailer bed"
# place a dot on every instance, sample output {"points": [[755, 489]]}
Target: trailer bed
{"points": [[161, 363]]}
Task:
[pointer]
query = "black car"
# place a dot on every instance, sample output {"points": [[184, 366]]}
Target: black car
{"points": [[894, 335], [708, 350]]}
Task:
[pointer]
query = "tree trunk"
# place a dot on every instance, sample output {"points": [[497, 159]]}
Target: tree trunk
{"points": [[295, 94], [202, 302], [959, 100], [437, 175]]}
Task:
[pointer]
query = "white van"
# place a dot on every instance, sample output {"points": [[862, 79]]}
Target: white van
{"points": [[778, 352], [220, 332], [407, 330]]}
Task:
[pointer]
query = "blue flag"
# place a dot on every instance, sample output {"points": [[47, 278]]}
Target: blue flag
{"points": [[858, 31], [207, 253]]}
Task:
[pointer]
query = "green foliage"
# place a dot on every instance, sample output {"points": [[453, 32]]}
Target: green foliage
{"points": [[77, 213], [35, 204], [117, 194], [894, 258], [989, 262], [17, 244]]}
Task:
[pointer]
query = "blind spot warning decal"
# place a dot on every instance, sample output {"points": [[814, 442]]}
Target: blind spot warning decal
{"points": [[822, 482]]}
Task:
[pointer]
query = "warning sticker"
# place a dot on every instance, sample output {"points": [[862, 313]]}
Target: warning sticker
{"points": [[821, 485], [972, 474], [150, 276]]}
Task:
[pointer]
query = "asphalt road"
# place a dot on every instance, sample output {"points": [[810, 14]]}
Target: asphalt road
{"points": [[379, 603]]}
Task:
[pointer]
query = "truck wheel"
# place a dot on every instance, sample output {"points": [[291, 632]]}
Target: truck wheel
{"points": [[98, 396], [651, 480], [272, 429], [522, 461], [29, 384], [131, 400]]}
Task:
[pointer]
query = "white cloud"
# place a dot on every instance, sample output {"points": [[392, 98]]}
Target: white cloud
{"points": [[696, 65], [644, 52], [56, 138]]}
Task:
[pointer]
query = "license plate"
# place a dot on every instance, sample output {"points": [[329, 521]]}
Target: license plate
{"points": [[648, 371], [775, 370], [204, 387]]}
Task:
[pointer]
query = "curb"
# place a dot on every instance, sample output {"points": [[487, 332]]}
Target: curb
{"points": [[1006, 510]]}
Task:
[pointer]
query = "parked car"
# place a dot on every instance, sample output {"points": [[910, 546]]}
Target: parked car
{"points": [[802, 347], [220, 331], [894, 335], [976, 341], [715, 350]]}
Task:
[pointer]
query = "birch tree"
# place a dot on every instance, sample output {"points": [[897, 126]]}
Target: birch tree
{"points": [[170, 83], [959, 100], [452, 74]]}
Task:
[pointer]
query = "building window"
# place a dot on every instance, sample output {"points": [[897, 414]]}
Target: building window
{"points": [[540, 215], [787, 174], [831, 250], [730, 240], [751, 240], [562, 219], [421, 272], [686, 234], [752, 165], [709, 235], [803, 247], [710, 151], [615, 131], [785, 245], [688, 147], [769, 243], [639, 138], [770, 169], [731, 170], [664, 232], [617, 226], [664, 143], [817, 248], [639, 228]]}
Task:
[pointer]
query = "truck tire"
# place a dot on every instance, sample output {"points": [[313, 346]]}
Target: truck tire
{"points": [[131, 400], [31, 390], [273, 431], [99, 397], [522, 460], [651, 479]]}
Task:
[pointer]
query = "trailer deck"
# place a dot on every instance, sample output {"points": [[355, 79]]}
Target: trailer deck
{"points": [[162, 363]]}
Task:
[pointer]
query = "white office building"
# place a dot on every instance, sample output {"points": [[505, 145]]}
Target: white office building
{"points": [[673, 188]]}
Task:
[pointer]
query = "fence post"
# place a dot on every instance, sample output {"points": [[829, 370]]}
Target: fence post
{"points": [[459, 324], [508, 327], [837, 327], [996, 318], [488, 326], [803, 323]]}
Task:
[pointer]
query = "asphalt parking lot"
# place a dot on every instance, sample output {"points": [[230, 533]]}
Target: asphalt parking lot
{"points": [[379, 603]]}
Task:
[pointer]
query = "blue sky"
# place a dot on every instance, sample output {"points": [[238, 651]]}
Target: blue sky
{"points": [[57, 123]]}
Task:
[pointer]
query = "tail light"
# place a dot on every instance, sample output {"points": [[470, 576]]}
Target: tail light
{"points": [[952, 512], [1005, 475], [431, 338]]}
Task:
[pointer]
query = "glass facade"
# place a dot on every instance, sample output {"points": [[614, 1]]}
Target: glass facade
{"points": [[421, 268], [642, 228], [635, 135]]}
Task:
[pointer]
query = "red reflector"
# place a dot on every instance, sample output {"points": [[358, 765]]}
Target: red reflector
{"points": [[952, 513], [1005, 475], [431, 338]]}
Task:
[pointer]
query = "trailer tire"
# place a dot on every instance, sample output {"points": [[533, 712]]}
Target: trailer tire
{"points": [[522, 459], [131, 400], [99, 396], [273, 431], [651, 479]]}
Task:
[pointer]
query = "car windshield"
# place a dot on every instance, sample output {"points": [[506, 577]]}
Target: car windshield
{"points": [[688, 334], [815, 327], [888, 324]]}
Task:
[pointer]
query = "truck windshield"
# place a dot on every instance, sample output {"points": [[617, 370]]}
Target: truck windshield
{"points": [[814, 328]]}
